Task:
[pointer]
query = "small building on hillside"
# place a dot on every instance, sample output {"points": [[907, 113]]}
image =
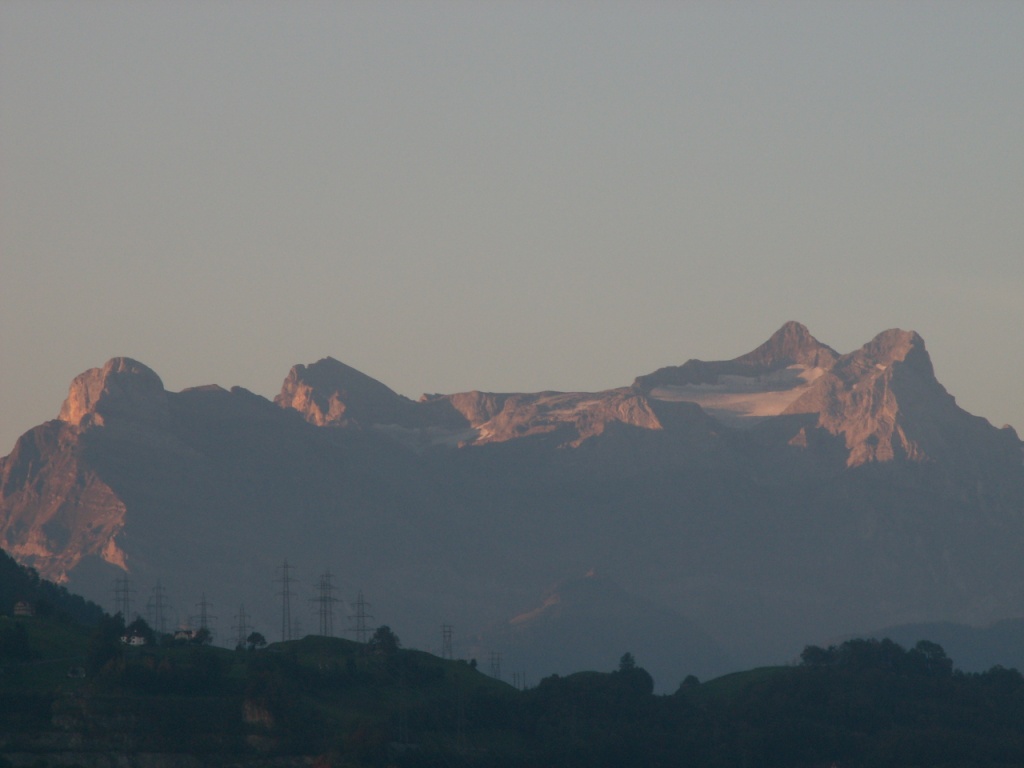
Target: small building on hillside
{"points": [[24, 608]]}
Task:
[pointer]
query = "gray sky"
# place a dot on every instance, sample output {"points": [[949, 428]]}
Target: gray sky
{"points": [[504, 196]]}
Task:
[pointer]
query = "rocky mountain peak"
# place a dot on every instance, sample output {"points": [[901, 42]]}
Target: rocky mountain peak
{"points": [[899, 346], [328, 392], [886, 402], [123, 388], [792, 344], [894, 348]]}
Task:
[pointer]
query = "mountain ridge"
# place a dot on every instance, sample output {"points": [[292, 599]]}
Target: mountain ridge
{"points": [[793, 488]]}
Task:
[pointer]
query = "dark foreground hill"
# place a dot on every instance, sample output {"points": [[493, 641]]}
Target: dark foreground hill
{"points": [[19, 584], [715, 514], [329, 702]]}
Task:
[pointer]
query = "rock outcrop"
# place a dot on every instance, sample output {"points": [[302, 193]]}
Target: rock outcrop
{"points": [[57, 510], [574, 416], [887, 405], [330, 393], [122, 389]]}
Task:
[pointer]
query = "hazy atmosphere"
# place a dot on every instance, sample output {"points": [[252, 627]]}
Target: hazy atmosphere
{"points": [[504, 196]]}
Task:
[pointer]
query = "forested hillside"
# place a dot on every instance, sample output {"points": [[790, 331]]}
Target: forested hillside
{"points": [[18, 583], [332, 702]]}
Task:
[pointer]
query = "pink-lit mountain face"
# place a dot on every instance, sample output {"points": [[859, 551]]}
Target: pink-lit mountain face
{"points": [[744, 507]]}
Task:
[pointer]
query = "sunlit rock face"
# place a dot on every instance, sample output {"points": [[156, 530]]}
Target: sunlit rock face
{"points": [[330, 393], [59, 509], [56, 509], [886, 404], [122, 389], [571, 416], [861, 398]]}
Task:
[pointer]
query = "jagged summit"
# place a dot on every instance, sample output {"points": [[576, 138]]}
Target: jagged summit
{"points": [[899, 346], [886, 403], [328, 392], [122, 388], [792, 344]]}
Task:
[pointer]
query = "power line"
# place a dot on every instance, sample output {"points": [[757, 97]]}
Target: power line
{"points": [[286, 601], [360, 616], [446, 642], [156, 608], [123, 598], [205, 616], [242, 626], [325, 599], [496, 665]]}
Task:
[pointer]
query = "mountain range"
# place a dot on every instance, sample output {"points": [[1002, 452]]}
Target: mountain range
{"points": [[710, 515]]}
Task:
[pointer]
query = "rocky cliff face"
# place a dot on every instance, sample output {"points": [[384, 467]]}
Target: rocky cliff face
{"points": [[330, 393], [778, 498], [123, 389], [886, 404], [569, 417], [56, 509]]}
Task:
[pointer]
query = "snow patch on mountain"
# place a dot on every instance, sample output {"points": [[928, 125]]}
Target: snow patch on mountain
{"points": [[743, 401]]}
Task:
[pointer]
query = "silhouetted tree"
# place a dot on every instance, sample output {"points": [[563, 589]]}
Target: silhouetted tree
{"points": [[936, 662], [384, 642], [635, 679]]}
